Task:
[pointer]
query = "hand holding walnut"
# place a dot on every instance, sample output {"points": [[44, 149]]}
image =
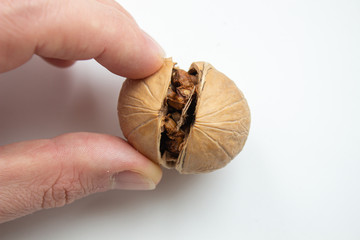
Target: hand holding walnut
{"points": [[52, 172]]}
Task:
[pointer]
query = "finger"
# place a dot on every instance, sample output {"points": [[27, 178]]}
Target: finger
{"points": [[59, 63], [51, 173], [76, 30]]}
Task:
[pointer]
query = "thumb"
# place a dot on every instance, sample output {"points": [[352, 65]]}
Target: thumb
{"points": [[50, 173]]}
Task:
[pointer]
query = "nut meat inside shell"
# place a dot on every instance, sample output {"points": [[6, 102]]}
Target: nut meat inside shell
{"points": [[195, 121]]}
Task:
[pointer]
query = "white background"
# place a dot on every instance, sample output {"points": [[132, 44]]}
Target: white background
{"points": [[298, 177]]}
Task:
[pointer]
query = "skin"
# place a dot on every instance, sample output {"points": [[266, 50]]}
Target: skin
{"points": [[48, 173]]}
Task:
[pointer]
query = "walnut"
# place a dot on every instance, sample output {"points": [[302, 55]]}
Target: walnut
{"points": [[195, 121]]}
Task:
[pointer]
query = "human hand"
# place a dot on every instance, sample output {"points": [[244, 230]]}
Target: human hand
{"points": [[48, 173]]}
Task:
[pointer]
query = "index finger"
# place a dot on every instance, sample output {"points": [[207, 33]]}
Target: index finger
{"points": [[76, 30]]}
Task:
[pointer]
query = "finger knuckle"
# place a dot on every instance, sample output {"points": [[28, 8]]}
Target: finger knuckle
{"points": [[62, 191]]}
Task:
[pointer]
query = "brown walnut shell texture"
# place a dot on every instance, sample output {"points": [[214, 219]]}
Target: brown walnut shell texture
{"points": [[218, 133]]}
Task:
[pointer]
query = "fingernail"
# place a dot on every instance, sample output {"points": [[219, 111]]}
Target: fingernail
{"points": [[156, 44], [128, 180]]}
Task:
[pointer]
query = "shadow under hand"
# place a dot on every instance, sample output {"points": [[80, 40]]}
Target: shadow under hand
{"points": [[38, 100]]}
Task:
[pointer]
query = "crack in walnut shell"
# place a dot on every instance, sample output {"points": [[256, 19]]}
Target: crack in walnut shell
{"points": [[178, 119], [195, 121]]}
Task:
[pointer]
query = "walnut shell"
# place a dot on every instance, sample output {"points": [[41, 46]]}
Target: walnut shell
{"points": [[214, 135]]}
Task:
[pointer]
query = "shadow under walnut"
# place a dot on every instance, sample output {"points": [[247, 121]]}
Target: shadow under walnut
{"points": [[195, 121]]}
